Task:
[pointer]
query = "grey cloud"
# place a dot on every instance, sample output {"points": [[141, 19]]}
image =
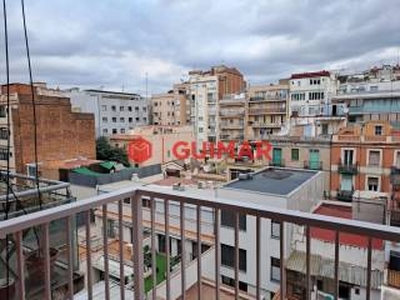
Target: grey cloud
{"points": [[114, 43]]}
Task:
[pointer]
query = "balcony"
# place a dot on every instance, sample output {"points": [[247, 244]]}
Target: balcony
{"points": [[350, 169], [393, 279], [312, 165], [346, 196], [395, 175], [197, 278]]}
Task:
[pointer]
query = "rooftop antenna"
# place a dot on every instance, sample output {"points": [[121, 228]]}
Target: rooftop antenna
{"points": [[147, 85]]}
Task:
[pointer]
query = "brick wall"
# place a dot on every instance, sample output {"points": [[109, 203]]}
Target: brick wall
{"points": [[61, 134]]}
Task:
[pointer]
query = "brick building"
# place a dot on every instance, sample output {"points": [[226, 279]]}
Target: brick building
{"points": [[362, 157], [61, 133]]}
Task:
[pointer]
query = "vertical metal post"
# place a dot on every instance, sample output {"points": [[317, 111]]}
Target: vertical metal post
{"points": [[282, 259], [20, 265], [46, 252], [369, 268], [167, 248], [153, 248], [137, 217], [308, 266], [183, 251], [258, 255], [198, 219], [70, 261], [121, 249], [88, 257], [105, 256], [236, 256], [217, 254], [337, 244]]}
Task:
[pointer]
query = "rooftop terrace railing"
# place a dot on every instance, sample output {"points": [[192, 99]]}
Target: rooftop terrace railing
{"points": [[16, 226]]}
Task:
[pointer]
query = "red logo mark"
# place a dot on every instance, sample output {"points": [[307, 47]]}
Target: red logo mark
{"points": [[139, 150]]}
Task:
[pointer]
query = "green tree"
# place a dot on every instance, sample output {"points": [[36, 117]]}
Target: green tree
{"points": [[104, 151]]}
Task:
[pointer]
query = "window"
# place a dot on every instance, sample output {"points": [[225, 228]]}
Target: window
{"points": [[137, 119], [228, 257], [3, 154], [122, 130], [113, 108], [378, 130], [373, 184], [275, 269], [105, 131], [295, 154], [129, 108], [114, 119], [110, 228], [130, 120], [348, 157], [374, 158], [397, 159], [127, 200], [231, 282], [114, 131], [325, 129], [275, 229], [146, 203], [122, 119], [104, 107], [228, 219], [121, 108], [3, 133], [104, 119], [136, 108], [144, 109], [201, 129]]}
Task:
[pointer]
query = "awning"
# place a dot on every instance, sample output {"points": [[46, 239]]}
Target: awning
{"points": [[85, 171], [108, 165], [325, 267]]}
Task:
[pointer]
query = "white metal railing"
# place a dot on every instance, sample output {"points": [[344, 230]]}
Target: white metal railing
{"points": [[43, 218]]}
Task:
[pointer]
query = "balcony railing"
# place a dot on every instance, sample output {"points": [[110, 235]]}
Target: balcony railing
{"points": [[343, 195], [393, 278], [347, 168], [135, 214], [312, 165]]}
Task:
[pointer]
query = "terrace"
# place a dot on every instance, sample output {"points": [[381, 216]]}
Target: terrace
{"points": [[184, 282]]}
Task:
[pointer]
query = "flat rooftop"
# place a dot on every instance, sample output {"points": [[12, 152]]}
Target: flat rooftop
{"points": [[273, 181]]}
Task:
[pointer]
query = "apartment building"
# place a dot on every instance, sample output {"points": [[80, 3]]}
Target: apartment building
{"points": [[362, 157], [276, 187], [232, 117], [161, 138], [353, 267], [61, 133], [114, 112], [170, 108], [370, 99], [205, 90], [310, 92], [267, 108]]}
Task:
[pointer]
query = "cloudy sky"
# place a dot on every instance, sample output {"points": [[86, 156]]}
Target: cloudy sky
{"points": [[114, 43]]}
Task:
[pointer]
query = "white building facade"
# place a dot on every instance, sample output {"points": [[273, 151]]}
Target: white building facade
{"points": [[203, 95], [115, 112]]}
